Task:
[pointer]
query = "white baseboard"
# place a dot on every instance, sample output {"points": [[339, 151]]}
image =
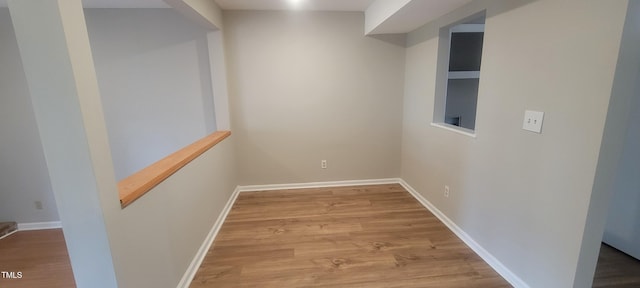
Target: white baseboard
{"points": [[204, 248], [512, 278], [268, 187], [39, 225]]}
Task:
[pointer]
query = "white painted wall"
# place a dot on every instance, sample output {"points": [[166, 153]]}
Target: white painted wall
{"points": [[622, 230], [625, 91], [522, 196], [152, 241], [23, 172], [206, 12], [56, 57], [379, 11], [402, 16], [218, 63], [307, 86], [155, 83], [156, 237]]}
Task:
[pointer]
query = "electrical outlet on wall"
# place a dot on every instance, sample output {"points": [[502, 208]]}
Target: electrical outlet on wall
{"points": [[323, 164], [446, 191], [533, 121], [38, 205]]}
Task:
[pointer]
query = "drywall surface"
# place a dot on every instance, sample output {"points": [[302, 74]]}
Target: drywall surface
{"points": [[204, 12], [56, 57], [155, 83], [623, 223], [308, 86], [379, 11], [208, 10], [624, 93], [522, 196], [462, 101], [24, 178], [622, 230], [218, 63], [401, 16], [156, 237], [151, 242]]}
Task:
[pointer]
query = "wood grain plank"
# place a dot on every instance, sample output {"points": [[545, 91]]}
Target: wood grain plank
{"points": [[375, 248], [361, 236], [616, 269], [40, 255]]}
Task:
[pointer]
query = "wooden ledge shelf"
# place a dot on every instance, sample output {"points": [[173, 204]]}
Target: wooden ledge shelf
{"points": [[139, 183]]}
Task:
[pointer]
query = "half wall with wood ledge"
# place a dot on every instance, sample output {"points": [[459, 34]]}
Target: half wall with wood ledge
{"points": [[141, 182]]}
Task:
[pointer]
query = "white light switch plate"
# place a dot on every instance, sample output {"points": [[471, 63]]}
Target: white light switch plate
{"points": [[533, 121]]}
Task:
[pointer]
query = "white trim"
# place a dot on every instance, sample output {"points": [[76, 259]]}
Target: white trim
{"points": [[507, 274], [6, 235], [268, 187], [463, 75], [204, 248], [459, 130], [39, 225]]}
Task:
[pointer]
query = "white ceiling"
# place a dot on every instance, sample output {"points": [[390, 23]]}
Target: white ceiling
{"points": [[124, 4], [319, 5], [116, 4]]}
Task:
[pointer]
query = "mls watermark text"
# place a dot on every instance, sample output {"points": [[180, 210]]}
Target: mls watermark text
{"points": [[11, 275]]}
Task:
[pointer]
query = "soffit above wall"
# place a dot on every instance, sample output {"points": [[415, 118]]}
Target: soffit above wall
{"points": [[408, 17]]}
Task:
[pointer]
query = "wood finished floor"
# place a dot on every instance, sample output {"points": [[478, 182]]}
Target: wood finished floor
{"points": [[616, 269], [41, 256], [365, 236]]}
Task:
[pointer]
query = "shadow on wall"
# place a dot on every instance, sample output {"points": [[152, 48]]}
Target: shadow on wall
{"points": [[24, 178], [622, 230], [395, 39]]}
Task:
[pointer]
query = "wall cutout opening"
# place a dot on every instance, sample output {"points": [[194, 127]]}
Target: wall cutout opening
{"points": [[155, 83], [458, 77]]}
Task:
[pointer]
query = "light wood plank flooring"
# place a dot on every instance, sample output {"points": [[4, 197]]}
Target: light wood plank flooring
{"points": [[367, 236], [616, 269], [41, 256], [364, 236]]}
